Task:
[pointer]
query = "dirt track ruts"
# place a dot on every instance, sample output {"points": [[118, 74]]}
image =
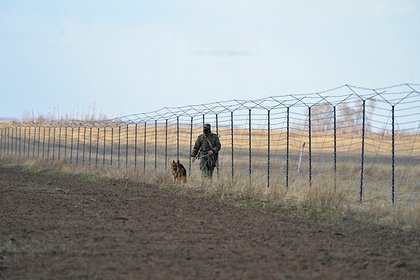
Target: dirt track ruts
{"points": [[67, 227]]}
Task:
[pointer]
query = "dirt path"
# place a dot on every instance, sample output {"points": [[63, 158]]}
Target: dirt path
{"points": [[65, 227]]}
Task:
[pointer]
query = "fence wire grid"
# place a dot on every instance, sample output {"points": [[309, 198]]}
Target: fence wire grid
{"points": [[352, 137]]}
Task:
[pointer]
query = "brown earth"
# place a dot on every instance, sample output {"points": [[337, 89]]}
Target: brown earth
{"points": [[58, 226]]}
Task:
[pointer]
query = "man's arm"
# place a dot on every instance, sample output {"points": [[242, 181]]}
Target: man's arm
{"points": [[196, 148]]}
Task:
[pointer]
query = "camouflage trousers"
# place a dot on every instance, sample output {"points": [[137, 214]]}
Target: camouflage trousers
{"points": [[207, 165]]}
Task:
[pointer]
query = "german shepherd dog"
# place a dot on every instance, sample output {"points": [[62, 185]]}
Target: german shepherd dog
{"points": [[179, 173]]}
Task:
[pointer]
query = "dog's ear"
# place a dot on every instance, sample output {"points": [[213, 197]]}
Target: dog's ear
{"points": [[177, 161], [173, 161]]}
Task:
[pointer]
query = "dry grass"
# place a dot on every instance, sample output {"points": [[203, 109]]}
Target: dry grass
{"points": [[376, 206], [344, 197]]}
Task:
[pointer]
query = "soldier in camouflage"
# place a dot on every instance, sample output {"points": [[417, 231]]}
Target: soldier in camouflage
{"points": [[206, 147]]}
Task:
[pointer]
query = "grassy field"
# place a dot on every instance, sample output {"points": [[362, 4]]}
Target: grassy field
{"points": [[144, 153]]}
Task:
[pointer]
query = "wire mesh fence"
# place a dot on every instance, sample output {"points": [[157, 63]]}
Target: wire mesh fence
{"points": [[350, 137]]}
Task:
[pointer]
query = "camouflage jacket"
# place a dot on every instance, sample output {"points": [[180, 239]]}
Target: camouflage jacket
{"points": [[205, 143]]}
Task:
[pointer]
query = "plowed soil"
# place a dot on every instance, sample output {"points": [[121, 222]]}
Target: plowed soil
{"points": [[70, 227]]}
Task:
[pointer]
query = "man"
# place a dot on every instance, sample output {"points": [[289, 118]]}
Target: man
{"points": [[207, 147]]}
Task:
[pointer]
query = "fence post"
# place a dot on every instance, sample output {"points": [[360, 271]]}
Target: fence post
{"points": [[268, 148], [48, 143], [104, 153], [287, 146], [119, 146], [177, 137], [43, 143], [1, 141], [90, 145], [112, 144], [310, 147], [97, 147], [393, 155], [34, 144], [39, 142], [155, 146], [363, 151], [232, 143], [135, 147], [65, 143], [59, 143], [54, 142], [84, 145], [11, 148], [144, 148], [189, 156], [335, 148], [71, 145], [6, 139], [217, 132], [24, 141], [12, 142], [78, 145], [20, 141], [166, 143], [126, 148], [249, 146], [29, 142]]}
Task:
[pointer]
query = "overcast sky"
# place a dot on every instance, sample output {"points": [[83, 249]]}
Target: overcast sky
{"points": [[130, 56]]}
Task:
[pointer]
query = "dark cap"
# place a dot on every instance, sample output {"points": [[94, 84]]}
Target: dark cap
{"points": [[207, 126]]}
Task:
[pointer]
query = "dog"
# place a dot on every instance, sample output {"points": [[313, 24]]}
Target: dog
{"points": [[179, 173]]}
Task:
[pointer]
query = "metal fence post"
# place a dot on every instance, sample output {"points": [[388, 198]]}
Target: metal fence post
{"points": [[177, 137], [1, 142], [104, 153], [144, 148], [11, 148], [20, 141], [268, 148], [65, 143], [335, 148], [29, 142], [232, 145], [393, 155], [363, 151], [310, 147], [34, 144], [189, 156], [84, 145], [166, 143], [287, 147], [90, 146], [48, 143], [54, 143], [249, 146], [43, 143], [97, 147], [155, 146], [112, 145], [119, 146], [217, 132], [71, 145], [77, 145], [24, 141], [59, 143], [135, 147], [126, 148]]}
